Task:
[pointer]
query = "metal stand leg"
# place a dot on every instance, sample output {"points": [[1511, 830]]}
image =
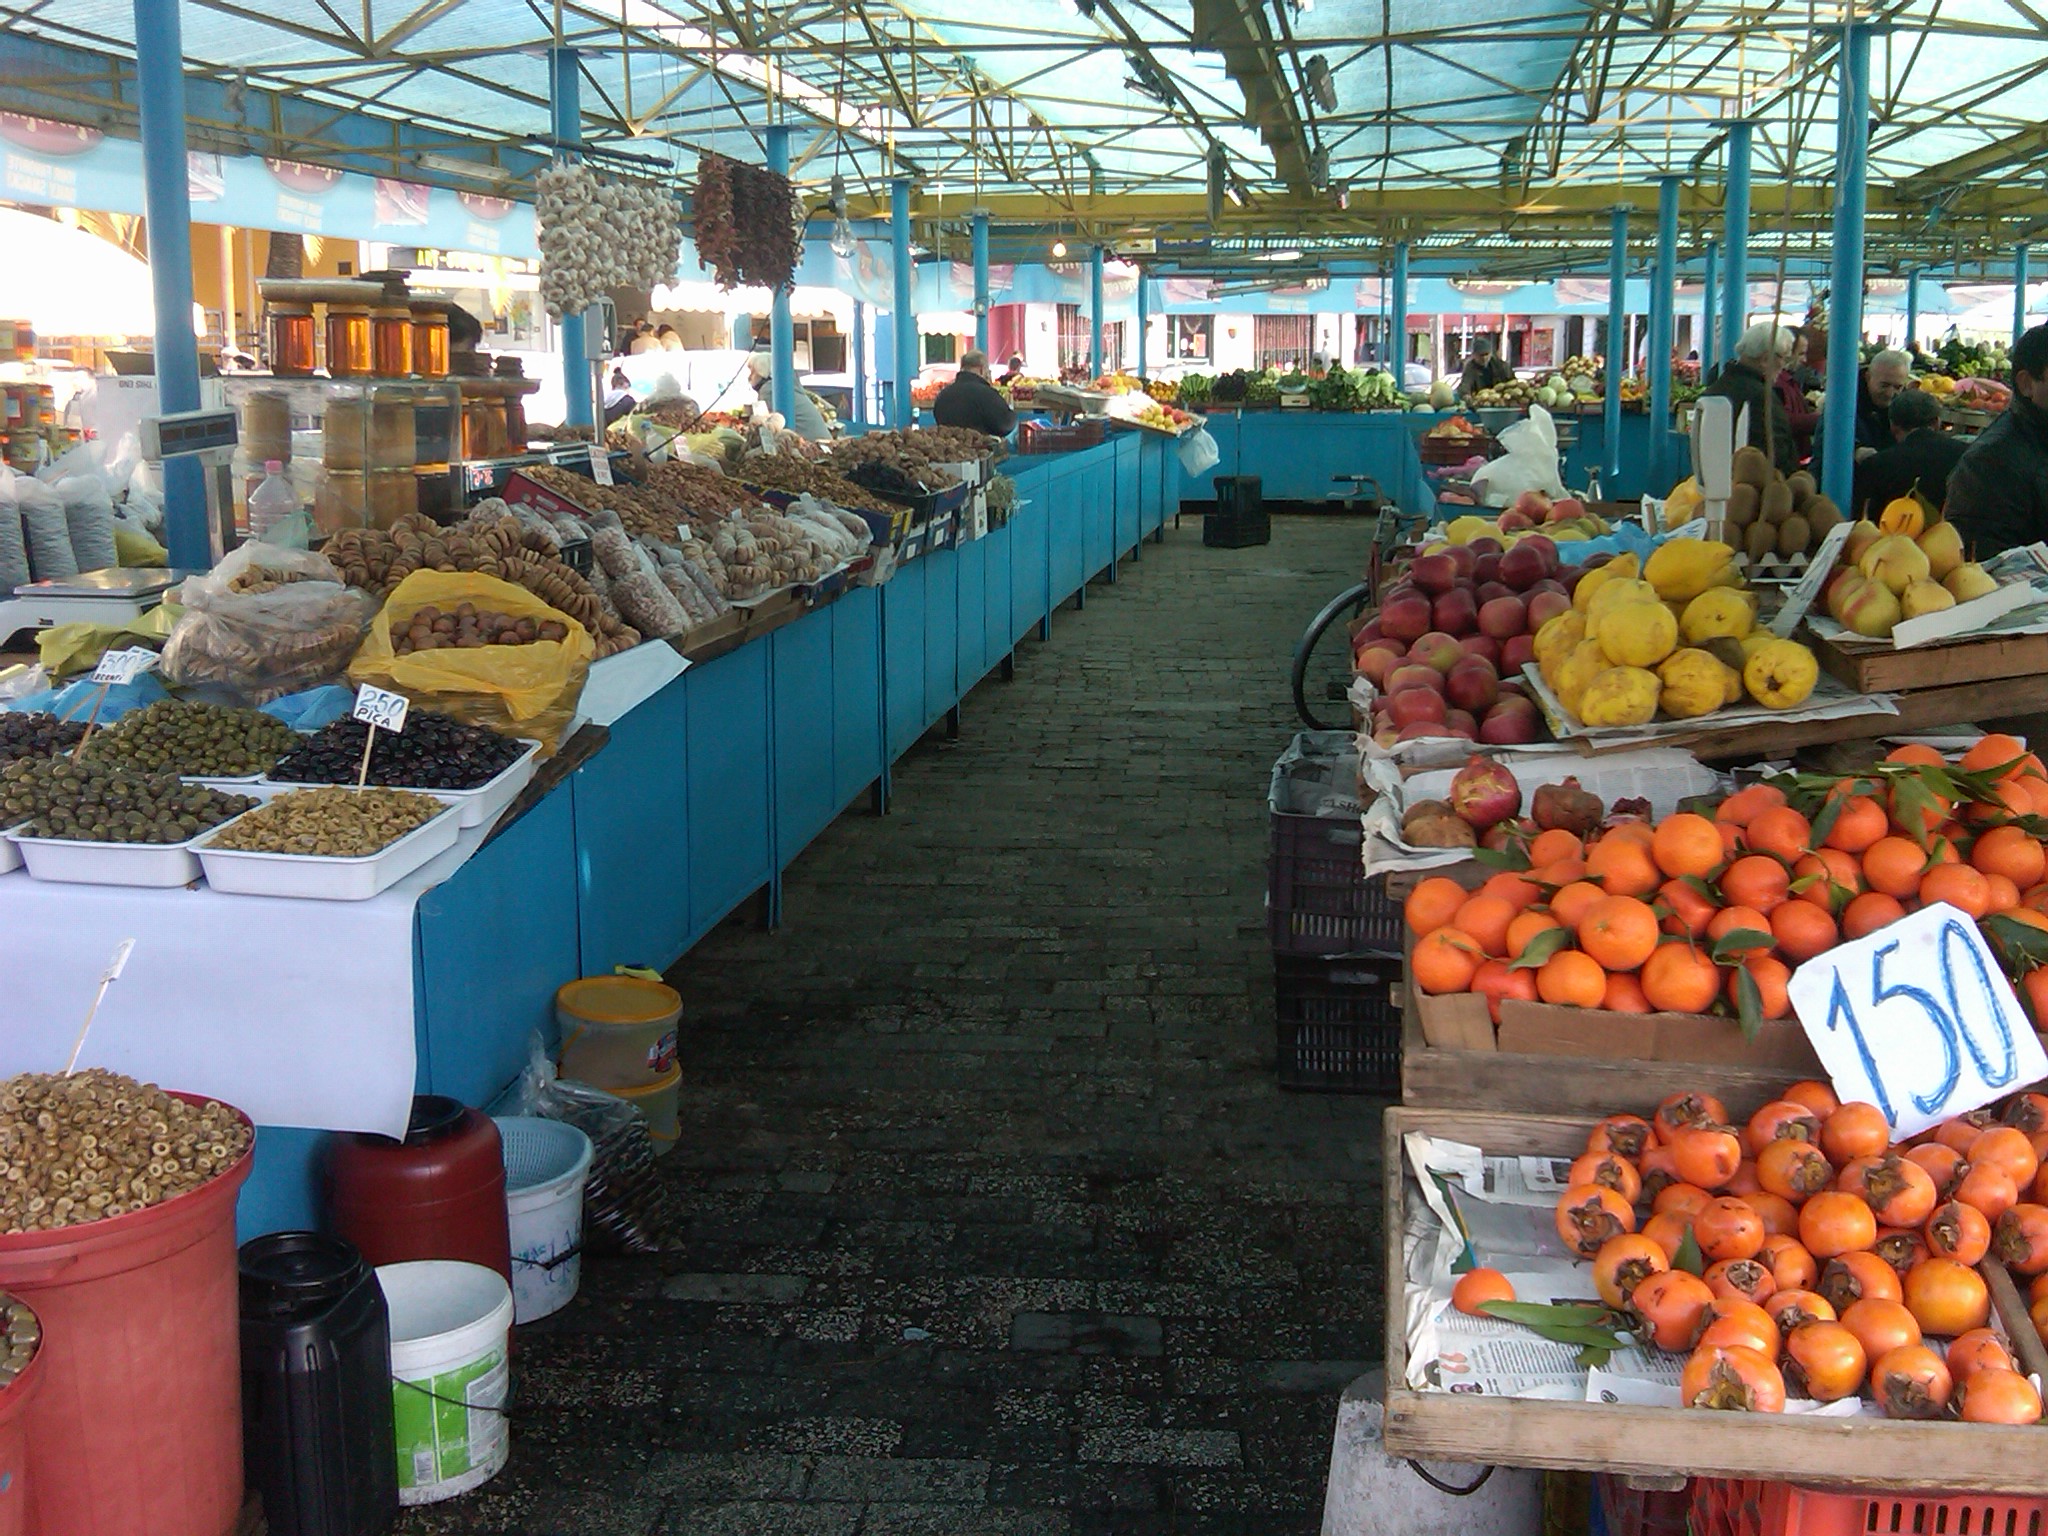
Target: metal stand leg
{"points": [[878, 794], [953, 723], [1114, 561], [1081, 597], [771, 903], [1159, 533], [1010, 667]]}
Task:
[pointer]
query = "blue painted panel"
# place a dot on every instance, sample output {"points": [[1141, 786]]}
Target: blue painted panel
{"points": [[1130, 481], [1101, 514], [996, 631], [856, 691], [1067, 506], [970, 657], [941, 628], [726, 763], [632, 825], [903, 605], [806, 794], [284, 1192], [1028, 569]]}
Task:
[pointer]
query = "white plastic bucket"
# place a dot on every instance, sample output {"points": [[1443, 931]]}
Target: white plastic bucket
{"points": [[658, 1101], [449, 1326], [547, 1164]]}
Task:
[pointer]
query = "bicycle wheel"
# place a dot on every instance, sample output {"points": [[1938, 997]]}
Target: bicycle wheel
{"points": [[1322, 662]]}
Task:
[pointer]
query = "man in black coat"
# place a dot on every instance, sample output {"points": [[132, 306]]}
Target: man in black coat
{"points": [[1998, 491], [1920, 457], [1749, 378], [971, 401]]}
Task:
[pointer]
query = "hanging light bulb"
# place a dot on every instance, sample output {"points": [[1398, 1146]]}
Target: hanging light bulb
{"points": [[1059, 249], [842, 230]]}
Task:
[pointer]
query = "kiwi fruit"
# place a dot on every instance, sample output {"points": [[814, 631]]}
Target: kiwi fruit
{"points": [[1750, 467], [1776, 502], [1742, 506], [1821, 514], [1804, 489], [1795, 536], [1761, 541]]}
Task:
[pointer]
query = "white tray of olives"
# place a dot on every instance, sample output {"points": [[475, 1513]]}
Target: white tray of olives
{"points": [[10, 856], [326, 877], [478, 806], [81, 861]]}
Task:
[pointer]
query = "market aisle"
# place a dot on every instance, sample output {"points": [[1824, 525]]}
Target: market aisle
{"points": [[998, 1223]]}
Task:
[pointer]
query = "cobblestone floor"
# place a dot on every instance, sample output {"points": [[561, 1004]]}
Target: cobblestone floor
{"points": [[998, 1224]]}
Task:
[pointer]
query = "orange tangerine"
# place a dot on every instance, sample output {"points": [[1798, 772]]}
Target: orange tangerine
{"points": [[1433, 902], [1622, 864], [1757, 881], [1572, 979], [1526, 926], [1548, 847], [1737, 919], [1802, 931], [1894, 866], [2012, 852], [1571, 902], [1860, 822], [1996, 750], [1781, 831], [1772, 977], [1832, 878], [1686, 844], [1445, 960], [1688, 912], [1486, 919], [1618, 931], [1740, 807], [1681, 979], [1625, 995]]}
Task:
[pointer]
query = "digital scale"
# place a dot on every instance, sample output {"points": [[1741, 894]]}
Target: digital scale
{"points": [[118, 596]]}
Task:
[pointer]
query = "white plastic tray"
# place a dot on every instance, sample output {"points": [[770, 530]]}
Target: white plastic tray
{"points": [[327, 879], [478, 806], [158, 865], [10, 856]]}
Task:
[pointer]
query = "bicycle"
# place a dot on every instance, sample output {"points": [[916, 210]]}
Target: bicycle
{"points": [[1322, 672]]}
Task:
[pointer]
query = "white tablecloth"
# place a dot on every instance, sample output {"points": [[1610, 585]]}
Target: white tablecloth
{"points": [[299, 1013]]}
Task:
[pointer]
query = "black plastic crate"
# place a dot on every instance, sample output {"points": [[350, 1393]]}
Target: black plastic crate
{"points": [[1339, 1024], [1318, 900], [1220, 531], [1241, 496]]}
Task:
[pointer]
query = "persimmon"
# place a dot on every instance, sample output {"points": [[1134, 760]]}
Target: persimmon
{"points": [[1742, 1182], [1430, 905], [1978, 1350], [1727, 1229], [2012, 852], [1944, 1165], [1834, 1223], [1737, 919], [1779, 1215], [1732, 1378], [1568, 903], [1947, 1298], [1687, 912], [1850, 1277], [1854, 1130], [1445, 960], [2019, 1238], [1680, 979], [1832, 879], [1526, 926], [1911, 1383], [1859, 822], [1958, 1231], [1773, 978], [1990, 1190], [1497, 982], [1881, 1324], [1556, 843], [1670, 1306], [1792, 1267], [1624, 995], [2028, 1112], [1623, 866], [1899, 1247], [1619, 931], [1794, 1171], [1625, 1135], [1825, 1361], [1756, 881], [2005, 1147], [1962, 1130], [1625, 1262], [1668, 1230], [1686, 844], [1744, 1279], [1894, 865], [1477, 1286], [1959, 885], [1686, 1200], [1867, 913], [1679, 1111], [1779, 831], [1997, 1396], [1609, 1168], [1815, 1095], [1745, 804], [1658, 1168], [1589, 1214], [1738, 1320], [1793, 1308], [1803, 930], [1780, 1120], [1571, 979], [1706, 1155], [1899, 1192]]}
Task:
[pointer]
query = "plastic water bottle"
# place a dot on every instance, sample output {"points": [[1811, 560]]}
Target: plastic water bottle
{"points": [[271, 502]]}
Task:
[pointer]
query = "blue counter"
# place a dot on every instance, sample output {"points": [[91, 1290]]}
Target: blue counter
{"points": [[1297, 454], [709, 790], [1591, 452]]}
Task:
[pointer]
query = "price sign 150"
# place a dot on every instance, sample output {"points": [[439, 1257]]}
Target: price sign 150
{"points": [[1918, 1019]]}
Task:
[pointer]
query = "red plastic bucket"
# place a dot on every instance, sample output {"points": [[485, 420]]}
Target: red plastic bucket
{"points": [[136, 1424], [14, 1399]]}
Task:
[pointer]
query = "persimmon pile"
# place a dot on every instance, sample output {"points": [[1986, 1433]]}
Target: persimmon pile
{"points": [[1804, 1254], [1711, 909]]}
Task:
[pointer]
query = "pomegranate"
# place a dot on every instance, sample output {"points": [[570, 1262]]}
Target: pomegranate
{"points": [[1566, 805], [1483, 792]]}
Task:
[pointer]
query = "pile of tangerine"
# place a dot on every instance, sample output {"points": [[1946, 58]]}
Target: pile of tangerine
{"points": [[1642, 907], [1831, 1256]]}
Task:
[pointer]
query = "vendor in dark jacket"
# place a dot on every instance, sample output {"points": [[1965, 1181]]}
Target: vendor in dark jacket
{"points": [[1484, 369], [971, 401], [1877, 386], [1998, 491], [1920, 458], [1749, 378]]}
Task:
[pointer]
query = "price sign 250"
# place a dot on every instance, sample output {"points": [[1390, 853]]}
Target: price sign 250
{"points": [[1918, 1019]]}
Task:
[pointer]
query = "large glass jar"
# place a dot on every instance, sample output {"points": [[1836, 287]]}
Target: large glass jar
{"points": [[348, 342], [430, 343], [292, 351], [391, 342]]}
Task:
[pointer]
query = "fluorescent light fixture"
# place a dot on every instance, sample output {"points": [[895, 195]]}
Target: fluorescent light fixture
{"points": [[456, 165], [1321, 85], [1289, 254]]}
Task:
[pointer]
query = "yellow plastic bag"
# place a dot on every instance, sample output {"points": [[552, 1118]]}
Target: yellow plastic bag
{"points": [[521, 690]]}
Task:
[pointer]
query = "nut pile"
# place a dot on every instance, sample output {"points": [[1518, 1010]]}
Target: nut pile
{"points": [[469, 627], [331, 823], [95, 802], [956, 445], [892, 463], [20, 1336], [97, 1144], [643, 513], [433, 752], [695, 493], [35, 734], [198, 740], [781, 472]]}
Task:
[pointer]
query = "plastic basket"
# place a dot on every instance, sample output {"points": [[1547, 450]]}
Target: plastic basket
{"points": [[1339, 1024], [1627, 1511], [1236, 530], [1725, 1507], [1318, 900]]}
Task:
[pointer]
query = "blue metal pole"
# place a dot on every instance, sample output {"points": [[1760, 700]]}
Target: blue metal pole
{"points": [[1663, 326], [1912, 306], [1710, 329], [1845, 282], [565, 94], [1144, 320], [1397, 317], [900, 414], [981, 283], [2019, 292], [1095, 312], [860, 362], [166, 204], [1735, 301], [781, 329], [1616, 349]]}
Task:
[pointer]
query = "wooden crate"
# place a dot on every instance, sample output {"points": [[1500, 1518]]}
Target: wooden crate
{"points": [[1668, 1442], [1934, 666]]}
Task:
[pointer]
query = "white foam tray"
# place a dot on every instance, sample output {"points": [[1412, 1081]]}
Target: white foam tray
{"points": [[327, 879], [480, 805]]}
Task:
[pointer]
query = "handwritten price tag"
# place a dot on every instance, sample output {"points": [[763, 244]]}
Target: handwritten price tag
{"points": [[1917, 1019], [381, 709], [125, 666], [1801, 597], [600, 466]]}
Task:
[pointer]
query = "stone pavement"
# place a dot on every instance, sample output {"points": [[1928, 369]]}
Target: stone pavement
{"points": [[998, 1224]]}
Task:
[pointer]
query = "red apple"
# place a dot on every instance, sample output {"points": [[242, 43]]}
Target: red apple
{"points": [[1485, 569], [1414, 706], [1438, 650], [1533, 505], [1486, 544], [1522, 567], [1545, 546], [1482, 645], [1421, 730], [1456, 612], [1517, 652], [1434, 574], [1463, 557], [1405, 617], [1458, 722], [1473, 685], [1565, 510], [1545, 605], [1512, 521], [1377, 662], [1512, 722], [1504, 616], [1411, 676]]}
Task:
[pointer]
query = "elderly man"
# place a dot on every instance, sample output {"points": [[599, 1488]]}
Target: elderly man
{"points": [[1998, 492], [1921, 457], [1749, 378], [971, 401], [805, 419], [1483, 370], [1876, 387]]}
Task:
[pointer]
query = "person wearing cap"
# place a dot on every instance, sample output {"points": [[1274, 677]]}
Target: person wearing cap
{"points": [[971, 401], [1998, 491], [805, 419], [1015, 370], [1484, 369]]}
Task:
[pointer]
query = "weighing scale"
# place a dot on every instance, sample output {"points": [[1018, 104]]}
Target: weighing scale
{"points": [[119, 595]]}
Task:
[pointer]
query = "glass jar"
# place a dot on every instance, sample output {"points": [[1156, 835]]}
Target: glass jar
{"points": [[348, 342], [293, 354], [391, 342], [430, 343]]}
